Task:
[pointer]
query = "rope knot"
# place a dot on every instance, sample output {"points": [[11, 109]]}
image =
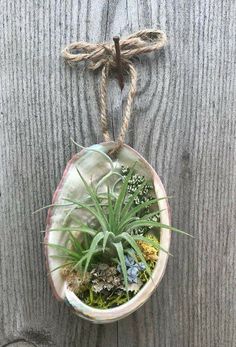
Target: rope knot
{"points": [[103, 55], [100, 54]]}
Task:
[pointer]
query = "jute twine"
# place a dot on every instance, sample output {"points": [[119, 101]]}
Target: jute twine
{"points": [[103, 55]]}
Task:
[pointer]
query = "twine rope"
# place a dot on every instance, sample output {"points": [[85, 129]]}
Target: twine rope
{"points": [[103, 55]]}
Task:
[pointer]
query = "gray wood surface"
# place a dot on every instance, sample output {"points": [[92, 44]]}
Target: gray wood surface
{"points": [[184, 123]]}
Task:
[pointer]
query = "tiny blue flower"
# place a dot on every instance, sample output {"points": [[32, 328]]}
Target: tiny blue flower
{"points": [[132, 273], [129, 261], [133, 268]]}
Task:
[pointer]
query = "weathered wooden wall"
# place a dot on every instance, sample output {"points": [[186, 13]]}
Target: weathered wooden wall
{"points": [[184, 123]]}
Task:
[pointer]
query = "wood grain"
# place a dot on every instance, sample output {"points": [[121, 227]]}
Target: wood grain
{"points": [[184, 123]]}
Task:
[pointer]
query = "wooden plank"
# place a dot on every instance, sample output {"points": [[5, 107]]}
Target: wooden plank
{"points": [[184, 123]]}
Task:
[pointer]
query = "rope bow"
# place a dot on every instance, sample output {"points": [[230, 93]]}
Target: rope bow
{"points": [[103, 55]]}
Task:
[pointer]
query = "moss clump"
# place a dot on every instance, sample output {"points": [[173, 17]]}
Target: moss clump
{"points": [[77, 282], [102, 300]]}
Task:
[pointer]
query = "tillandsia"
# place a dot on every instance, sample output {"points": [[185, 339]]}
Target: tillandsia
{"points": [[108, 258]]}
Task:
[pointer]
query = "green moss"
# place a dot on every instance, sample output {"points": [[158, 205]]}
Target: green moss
{"points": [[102, 300]]}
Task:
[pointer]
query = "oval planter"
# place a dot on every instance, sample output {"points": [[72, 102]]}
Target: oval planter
{"points": [[92, 163]]}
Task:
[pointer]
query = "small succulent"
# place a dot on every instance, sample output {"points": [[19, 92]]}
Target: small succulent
{"points": [[135, 182]]}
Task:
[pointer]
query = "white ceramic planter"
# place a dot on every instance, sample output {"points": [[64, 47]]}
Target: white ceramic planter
{"points": [[71, 186]]}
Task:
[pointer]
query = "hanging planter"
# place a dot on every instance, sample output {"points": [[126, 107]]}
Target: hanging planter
{"points": [[90, 288], [108, 229], [101, 293]]}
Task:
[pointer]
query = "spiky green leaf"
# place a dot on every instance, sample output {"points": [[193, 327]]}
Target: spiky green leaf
{"points": [[143, 222], [92, 248], [106, 236], [122, 195], [92, 193], [144, 205], [64, 250], [133, 213], [120, 252], [94, 212], [96, 151], [82, 229], [61, 266]]}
